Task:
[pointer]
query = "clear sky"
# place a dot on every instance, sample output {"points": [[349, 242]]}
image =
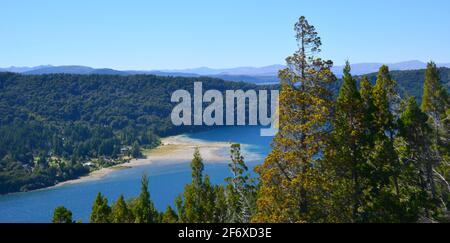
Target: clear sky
{"points": [[172, 34]]}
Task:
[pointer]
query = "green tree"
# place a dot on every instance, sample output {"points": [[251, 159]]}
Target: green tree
{"points": [[366, 92], [292, 177], [197, 167], [144, 210], [208, 201], [346, 153], [415, 152], [170, 216], [242, 189], [197, 204], [385, 193], [222, 202], [436, 104], [193, 205], [62, 215], [179, 204], [136, 150], [120, 212], [435, 98], [100, 210]]}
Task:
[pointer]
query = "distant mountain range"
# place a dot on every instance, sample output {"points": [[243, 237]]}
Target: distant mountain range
{"points": [[272, 70], [267, 74], [366, 68]]}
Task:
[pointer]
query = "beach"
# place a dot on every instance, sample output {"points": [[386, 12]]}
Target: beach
{"points": [[174, 149]]}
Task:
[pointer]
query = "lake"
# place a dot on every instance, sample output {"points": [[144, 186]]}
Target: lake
{"points": [[165, 181]]}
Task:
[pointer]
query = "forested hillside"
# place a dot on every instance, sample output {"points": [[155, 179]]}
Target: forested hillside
{"points": [[411, 82], [57, 127]]}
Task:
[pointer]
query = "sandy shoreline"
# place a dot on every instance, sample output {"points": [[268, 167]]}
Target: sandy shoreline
{"points": [[175, 149]]}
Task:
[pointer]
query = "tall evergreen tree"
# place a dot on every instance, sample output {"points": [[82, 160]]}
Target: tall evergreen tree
{"points": [[207, 201], [385, 100], [291, 176], [436, 104], [222, 208], [120, 212], [366, 92], [100, 210], [345, 155], [242, 190], [435, 99], [144, 211], [192, 205], [385, 171], [415, 152], [197, 167]]}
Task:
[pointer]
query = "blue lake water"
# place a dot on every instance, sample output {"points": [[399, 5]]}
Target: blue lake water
{"points": [[165, 181]]}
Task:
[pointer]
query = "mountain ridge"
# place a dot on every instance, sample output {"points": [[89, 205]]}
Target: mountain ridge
{"points": [[265, 74]]}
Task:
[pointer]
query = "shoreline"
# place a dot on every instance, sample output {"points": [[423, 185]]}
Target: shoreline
{"points": [[173, 150]]}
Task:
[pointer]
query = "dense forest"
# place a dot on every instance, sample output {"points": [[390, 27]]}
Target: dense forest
{"points": [[410, 82], [59, 126], [365, 155]]}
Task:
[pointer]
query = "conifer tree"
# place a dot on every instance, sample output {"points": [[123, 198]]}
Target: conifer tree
{"points": [[208, 201], [170, 216], [179, 205], [366, 92], [435, 98], [386, 204], [415, 151], [291, 176], [197, 169], [222, 208], [436, 104], [345, 155], [193, 192], [100, 210], [120, 212], [144, 210], [195, 205], [62, 215], [242, 190]]}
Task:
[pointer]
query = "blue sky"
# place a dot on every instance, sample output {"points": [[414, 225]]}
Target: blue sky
{"points": [[172, 34]]}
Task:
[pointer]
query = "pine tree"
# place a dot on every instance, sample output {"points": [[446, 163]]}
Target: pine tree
{"points": [[385, 100], [62, 215], [222, 211], [385, 195], [179, 204], [291, 176], [436, 104], [100, 210], [435, 97], [144, 210], [345, 155], [366, 92], [207, 201], [190, 205], [120, 212], [170, 216], [415, 152], [198, 203], [197, 169], [193, 192], [242, 189]]}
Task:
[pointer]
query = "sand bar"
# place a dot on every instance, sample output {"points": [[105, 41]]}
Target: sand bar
{"points": [[174, 149]]}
